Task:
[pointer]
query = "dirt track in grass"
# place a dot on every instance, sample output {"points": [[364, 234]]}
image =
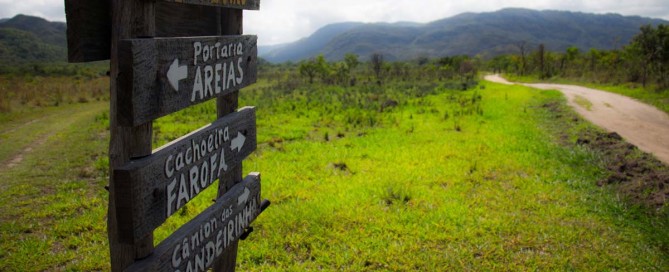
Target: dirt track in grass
{"points": [[640, 124], [638, 176]]}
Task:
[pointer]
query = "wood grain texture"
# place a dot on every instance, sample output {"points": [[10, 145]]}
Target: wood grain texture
{"points": [[226, 105], [147, 63], [231, 22], [236, 4], [89, 25], [179, 20], [88, 30], [210, 234], [130, 19], [153, 186]]}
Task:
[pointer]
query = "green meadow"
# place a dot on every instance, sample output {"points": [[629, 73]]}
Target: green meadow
{"points": [[402, 176]]}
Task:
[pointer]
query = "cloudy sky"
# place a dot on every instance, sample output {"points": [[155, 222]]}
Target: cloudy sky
{"points": [[280, 21]]}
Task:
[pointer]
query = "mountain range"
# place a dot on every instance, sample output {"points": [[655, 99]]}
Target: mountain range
{"points": [[487, 34], [29, 38]]}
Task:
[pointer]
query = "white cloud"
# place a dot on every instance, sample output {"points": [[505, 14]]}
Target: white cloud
{"points": [[280, 21], [53, 10]]}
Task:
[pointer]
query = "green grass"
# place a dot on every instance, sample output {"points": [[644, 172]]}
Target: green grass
{"points": [[659, 99], [447, 180], [53, 203], [420, 195], [583, 102]]}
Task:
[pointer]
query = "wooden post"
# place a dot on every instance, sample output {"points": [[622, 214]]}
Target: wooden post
{"points": [[139, 198], [130, 19], [230, 24]]}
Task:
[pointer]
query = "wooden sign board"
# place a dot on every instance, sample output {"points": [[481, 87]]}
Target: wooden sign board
{"points": [[164, 75], [239, 4], [198, 243], [89, 23], [178, 20], [150, 189], [88, 30]]}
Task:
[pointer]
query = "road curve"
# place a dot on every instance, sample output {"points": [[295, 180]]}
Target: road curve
{"points": [[640, 124]]}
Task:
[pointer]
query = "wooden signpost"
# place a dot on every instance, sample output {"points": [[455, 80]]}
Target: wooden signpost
{"points": [[154, 76], [197, 244], [89, 23], [155, 187], [188, 71], [240, 4]]}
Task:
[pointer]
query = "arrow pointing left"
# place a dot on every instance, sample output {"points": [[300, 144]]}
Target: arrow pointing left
{"points": [[176, 73]]}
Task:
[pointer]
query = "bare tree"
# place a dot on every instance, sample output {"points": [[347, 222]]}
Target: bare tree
{"points": [[541, 54], [376, 61], [522, 48]]}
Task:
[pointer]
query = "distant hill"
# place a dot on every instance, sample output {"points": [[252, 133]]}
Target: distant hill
{"points": [[309, 46], [488, 34], [29, 38]]}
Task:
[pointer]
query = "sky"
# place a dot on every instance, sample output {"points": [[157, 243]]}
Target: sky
{"points": [[281, 21]]}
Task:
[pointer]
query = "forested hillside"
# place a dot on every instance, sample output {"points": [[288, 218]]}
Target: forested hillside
{"points": [[27, 38], [487, 34]]}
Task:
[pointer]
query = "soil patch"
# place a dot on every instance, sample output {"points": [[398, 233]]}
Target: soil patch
{"points": [[18, 158], [637, 175]]}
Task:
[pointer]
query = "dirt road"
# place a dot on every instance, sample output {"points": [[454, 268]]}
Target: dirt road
{"points": [[27, 135], [640, 124]]}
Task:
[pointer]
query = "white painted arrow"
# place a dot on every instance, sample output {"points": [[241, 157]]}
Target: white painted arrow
{"points": [[176, 73], [244, 197], [238, 142]]}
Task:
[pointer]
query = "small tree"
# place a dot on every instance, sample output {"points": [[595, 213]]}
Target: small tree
{"points": [[652, 46], [569, 59], [594, 55], [341, 72], [541, 58], [308, 69], [376, 62], [314, 67], [323, 69], [663, 55], [522, 49], [467, 70], [351, 61]]}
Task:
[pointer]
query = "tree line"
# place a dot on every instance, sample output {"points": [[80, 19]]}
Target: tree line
{"points": [[645, 61], [459, 71]]}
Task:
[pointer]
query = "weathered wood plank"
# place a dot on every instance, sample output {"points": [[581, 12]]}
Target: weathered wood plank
{"points": [[231, 22], [197, 244], [237, 4], [156, 186], [179, 20], [164, 75], [131, 19], [88, 30], [89, 25]]}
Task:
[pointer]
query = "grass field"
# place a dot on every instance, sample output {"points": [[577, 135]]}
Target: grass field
{"points": [[52, 196], [443, 181]]}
